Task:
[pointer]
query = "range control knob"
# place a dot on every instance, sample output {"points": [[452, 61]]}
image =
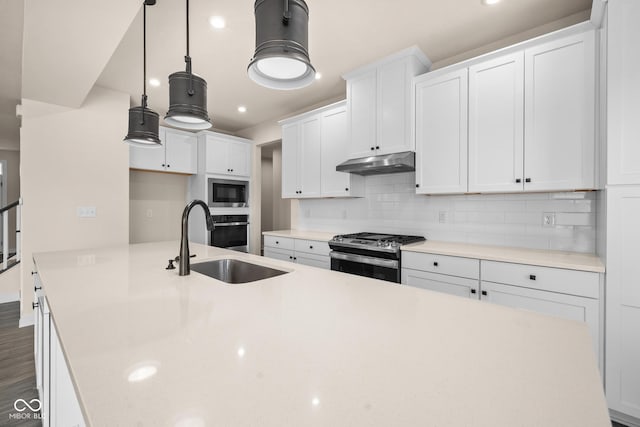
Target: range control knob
{"points": [[379, 243], [338, 238], [394, 244]]}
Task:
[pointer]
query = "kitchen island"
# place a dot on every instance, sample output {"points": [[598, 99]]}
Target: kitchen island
{"points": [[308, 348]]}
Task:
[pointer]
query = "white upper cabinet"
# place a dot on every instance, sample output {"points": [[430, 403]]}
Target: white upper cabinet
{"points": [[379, 104], [623, 93], [496, 131], [531, 120], [301, 159], [560, 87], [313, 144], [441, 133], [178, 153], [335, 149], [225, 155]]}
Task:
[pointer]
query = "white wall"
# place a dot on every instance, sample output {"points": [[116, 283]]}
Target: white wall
{"points": [[266, 207], [156, 202], [391, 205], [71, 158], [12, 179]]}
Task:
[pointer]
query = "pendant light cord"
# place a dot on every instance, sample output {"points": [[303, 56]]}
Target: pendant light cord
{"points": [[187, 59], [144, 56]]}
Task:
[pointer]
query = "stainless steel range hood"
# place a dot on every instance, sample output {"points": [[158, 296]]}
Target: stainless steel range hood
{"points": [[378, 165]]}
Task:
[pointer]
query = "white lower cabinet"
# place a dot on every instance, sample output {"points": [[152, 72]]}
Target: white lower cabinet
{"points": [[569, 294], [623, 302], [301, 251], [59, 404]]}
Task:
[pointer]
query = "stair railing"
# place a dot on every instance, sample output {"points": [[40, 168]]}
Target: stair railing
{"points": [[5, 232]]}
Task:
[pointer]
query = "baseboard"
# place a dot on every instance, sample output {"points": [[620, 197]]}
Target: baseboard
{"points": [[26, 320], [621, 418], [9, 297]]}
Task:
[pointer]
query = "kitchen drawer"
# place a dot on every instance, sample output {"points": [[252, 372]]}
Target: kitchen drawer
{"points": [[443, 264], [311, 246], [570, 282], [320, 261], [278, 242], [452, 285], [281, 254]]}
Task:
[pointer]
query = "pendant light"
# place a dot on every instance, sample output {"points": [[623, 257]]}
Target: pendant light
{"points": [[143, 122], [281, 59], [187, 96]]}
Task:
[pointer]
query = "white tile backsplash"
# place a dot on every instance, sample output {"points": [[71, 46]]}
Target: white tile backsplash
{"points": [[391, 205]]}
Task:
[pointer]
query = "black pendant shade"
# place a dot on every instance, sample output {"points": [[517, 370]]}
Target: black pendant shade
{"points": [[187, 101], [187, 96], [144, 124], [281, 59]]}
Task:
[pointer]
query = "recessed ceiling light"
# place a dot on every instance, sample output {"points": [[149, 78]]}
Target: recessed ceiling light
{"points": [[490, 2], [318, 75], [154, 82], [242, 109], [217, 22]]}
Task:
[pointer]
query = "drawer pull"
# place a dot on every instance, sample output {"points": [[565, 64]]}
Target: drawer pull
{"points": [[435, 264], [290, 257], [277, 243], [527, 180], [484, 293], [473, 291], [532, 277], [310, 247], [518, 180], [35, 305], [37, 288]]}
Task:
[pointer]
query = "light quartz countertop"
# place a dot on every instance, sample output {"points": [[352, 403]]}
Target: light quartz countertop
{"points": [[301, 234], [308, 348], [545, 258]]}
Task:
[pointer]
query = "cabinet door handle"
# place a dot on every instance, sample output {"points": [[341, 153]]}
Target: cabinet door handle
{"points": [[527, 180], [310, 247], [417, 185], [34, 305], [36, 288], [377, 147], [532, 277], [168, 165], [435, 264], [277, 243], [290, 257], [163, 165], [473, 291], [518, 180], [484, 293], [231, 170], [372, 148], [346, 189]]}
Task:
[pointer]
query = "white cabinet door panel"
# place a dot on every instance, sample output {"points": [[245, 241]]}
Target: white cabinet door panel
{"points": [[361, 107], [623, 92], [560, 114], [217, 153], [393, 91], [148, 158], [554, 304], [623, 299], [441, 133], [309, 158], [290, 137], [334, 151], [496, 128], [280, 254], [181, 152], [239, 156]]}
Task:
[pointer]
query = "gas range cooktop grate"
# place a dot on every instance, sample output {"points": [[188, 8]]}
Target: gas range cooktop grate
{"points": [[398, 238]]}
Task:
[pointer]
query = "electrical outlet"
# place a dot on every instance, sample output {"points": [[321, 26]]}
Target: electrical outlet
{"points": [[548, 219], [87, 211], [442, 217]]}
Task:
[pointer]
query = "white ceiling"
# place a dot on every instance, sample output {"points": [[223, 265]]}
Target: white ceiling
{"points": [[343, 35]]}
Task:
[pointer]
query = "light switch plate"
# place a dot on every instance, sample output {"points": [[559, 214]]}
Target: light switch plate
{"points": [[548, 219]]}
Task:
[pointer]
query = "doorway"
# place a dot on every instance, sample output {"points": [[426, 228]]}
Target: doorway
{"points": [[275, 212]]}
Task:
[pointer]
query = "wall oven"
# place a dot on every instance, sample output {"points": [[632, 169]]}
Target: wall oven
{"points": [[231, 232], [228, 193]]}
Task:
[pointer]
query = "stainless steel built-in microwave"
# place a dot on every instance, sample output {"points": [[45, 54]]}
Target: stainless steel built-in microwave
{"points": [[228, 193]]}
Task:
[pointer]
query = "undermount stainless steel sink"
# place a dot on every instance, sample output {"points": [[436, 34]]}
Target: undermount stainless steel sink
{"points": [[231, 270]]}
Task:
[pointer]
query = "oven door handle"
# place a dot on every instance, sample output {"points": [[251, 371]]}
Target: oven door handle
{"points": [[379, 262], [229, 224]]}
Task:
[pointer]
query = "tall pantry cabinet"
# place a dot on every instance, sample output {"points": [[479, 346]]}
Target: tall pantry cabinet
{"points": [[623, 210]]}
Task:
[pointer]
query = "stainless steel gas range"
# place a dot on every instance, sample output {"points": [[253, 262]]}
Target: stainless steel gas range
{"points": [[369, 254]]}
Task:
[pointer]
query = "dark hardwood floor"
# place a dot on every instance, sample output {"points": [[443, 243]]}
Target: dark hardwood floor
{"points": [[17, 369]]}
